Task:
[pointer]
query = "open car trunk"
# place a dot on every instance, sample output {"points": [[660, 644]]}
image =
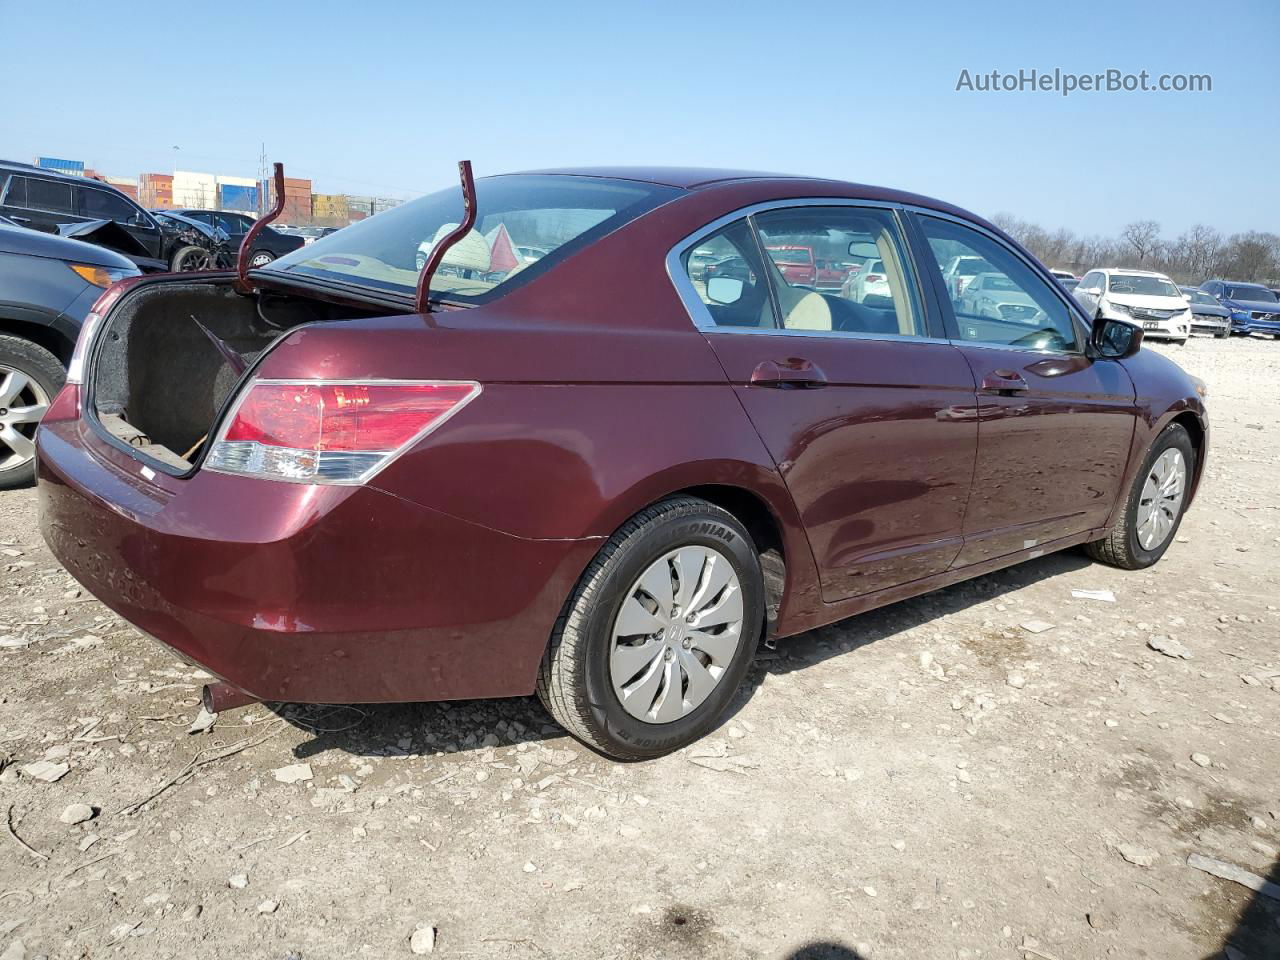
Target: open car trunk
{"points": [[159, 380]]}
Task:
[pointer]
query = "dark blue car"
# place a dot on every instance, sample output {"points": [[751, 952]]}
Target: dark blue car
{"points": [[1254, 308], [47, 285]]}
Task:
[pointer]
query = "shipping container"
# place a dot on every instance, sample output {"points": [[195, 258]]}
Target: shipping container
{"points": [[73, 167], [233, 196], [197, 190], [155, 191]]}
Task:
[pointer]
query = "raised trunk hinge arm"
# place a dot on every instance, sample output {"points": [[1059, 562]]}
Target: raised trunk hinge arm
{"points": [[422, 302], [246, 245]]}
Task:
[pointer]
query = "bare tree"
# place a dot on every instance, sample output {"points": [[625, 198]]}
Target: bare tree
{"points": [[1195, 255], [1143, 236], [1251, 256]]}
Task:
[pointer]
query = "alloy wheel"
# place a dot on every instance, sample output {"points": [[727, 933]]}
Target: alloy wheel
{"points": [[260, 259], [675, 634], [22, 403], [1161, 499], [196, 260]]}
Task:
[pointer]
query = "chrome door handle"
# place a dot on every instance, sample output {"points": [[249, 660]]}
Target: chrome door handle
{"points": [[1003, 383], [792, 373]]}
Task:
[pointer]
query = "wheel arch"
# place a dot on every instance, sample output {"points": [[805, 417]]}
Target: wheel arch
{"points": [[762, 504], [1197, 430], [1189, 413], [41, 334]]}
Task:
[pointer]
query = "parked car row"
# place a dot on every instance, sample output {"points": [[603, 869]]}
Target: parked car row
{"points": [[1164, 310], [156, 241]]}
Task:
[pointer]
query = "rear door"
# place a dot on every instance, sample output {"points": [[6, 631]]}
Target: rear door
{"points": [[867, 412], [1055, 424], [39, 203]]}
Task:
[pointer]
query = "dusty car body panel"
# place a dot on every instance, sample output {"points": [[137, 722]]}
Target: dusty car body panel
{"points": [[593, 408]]}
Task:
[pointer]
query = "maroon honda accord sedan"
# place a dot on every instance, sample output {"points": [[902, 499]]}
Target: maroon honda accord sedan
{"points": [[577, 466]]}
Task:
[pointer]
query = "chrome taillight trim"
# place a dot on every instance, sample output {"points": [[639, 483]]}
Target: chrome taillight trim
{"points": [[80, 353]]}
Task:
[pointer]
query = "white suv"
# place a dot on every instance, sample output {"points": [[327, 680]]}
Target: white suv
{"points": [[1142, 297]]}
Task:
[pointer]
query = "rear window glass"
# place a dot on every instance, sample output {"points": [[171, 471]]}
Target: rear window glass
{"points": [[524, 226]]}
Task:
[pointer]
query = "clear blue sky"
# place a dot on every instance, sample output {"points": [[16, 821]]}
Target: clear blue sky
{"points": [[383, 97]]}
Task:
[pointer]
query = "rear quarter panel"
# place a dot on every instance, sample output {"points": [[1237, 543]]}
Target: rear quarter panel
{"points": [[573, 432]]}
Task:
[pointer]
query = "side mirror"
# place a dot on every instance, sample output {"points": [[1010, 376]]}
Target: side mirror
{"points": [[1115, 339], [724, 290]]}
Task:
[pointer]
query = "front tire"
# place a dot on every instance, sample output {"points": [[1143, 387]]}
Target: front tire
{"points": [[1154, 508], [659, 632], [30, 377], [192, 258]]}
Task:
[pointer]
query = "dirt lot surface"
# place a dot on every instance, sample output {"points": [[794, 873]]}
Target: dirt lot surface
{"points": [[1000, 769]]}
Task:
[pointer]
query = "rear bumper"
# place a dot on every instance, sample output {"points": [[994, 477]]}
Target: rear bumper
{"points": [[304, 593]]}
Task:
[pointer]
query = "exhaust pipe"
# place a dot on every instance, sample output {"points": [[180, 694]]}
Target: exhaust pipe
{"points": [[218, 697]]}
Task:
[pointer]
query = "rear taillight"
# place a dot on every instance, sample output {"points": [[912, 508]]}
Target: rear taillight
{"points": [[875, 277], [324, 431]]}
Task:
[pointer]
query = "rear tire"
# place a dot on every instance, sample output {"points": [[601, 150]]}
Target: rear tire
{"points": [[261, 258], [30, 377], [583, 670], [1123, 545]]}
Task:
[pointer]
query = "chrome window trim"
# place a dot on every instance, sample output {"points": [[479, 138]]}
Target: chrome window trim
{"points": [[1074, 311], [825, 334], [701, 318]]}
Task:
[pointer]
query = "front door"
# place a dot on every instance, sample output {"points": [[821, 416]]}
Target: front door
{"points": [[1055, 425], [869, 419], [100, 204]]}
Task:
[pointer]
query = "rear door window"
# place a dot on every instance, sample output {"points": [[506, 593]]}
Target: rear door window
{"points": [[52, 196], [883, 301]]}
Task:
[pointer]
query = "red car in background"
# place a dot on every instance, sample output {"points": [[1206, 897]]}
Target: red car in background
{"points": [[832, 274], [591, 475], [796, 263]]}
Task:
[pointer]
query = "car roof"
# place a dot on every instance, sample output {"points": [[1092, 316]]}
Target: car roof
{"points": [[685, 178], [1126, 271], [13, 166], [765, 184]]}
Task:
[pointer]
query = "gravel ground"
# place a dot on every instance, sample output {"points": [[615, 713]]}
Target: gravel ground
{"points": [[940, 778]]}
